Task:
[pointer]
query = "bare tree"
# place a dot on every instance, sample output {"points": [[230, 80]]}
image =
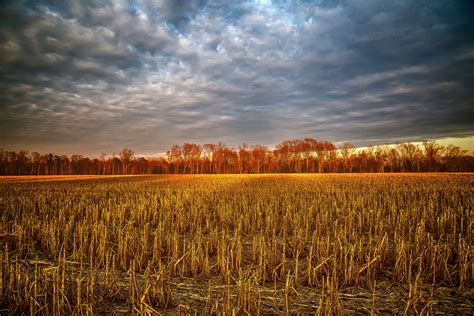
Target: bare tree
{"points": [[347, 150], [210, 149], [410, 154], [257, 155], [432, 154], [243, 156], [126, 156], [174, 158]]}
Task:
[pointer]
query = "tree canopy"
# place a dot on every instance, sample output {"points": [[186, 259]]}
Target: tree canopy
{"points": [[290, 156]]}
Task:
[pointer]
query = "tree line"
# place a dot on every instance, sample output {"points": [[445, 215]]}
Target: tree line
{"points": [[291, 156]]}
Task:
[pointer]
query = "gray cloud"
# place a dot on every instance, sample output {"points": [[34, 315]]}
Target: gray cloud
{"points": [[95, 76]]}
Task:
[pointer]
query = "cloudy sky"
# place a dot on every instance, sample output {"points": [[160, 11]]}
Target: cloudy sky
{"points": [[96, 76]]}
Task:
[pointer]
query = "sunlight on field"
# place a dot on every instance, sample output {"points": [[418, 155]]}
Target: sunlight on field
{"points": [[237, 244], [5, 179]]}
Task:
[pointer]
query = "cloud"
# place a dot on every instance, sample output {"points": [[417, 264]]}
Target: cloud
{"points": [[95, 76]]}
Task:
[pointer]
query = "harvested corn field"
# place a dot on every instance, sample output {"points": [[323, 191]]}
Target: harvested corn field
{"points": [[238, 244]]}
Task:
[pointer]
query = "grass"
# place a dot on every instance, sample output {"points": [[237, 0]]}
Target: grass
{"points": [[237, 244]]}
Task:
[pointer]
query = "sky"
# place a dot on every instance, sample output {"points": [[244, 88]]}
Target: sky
{"points": [[97, 76]]}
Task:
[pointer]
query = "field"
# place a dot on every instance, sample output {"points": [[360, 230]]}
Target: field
{"points": [[214, 244]]}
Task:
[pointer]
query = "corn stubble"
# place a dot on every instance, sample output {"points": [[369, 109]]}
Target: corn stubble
{"points": [[230, 244]]}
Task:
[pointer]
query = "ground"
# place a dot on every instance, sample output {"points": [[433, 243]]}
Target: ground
{"points": [[286, 243]]}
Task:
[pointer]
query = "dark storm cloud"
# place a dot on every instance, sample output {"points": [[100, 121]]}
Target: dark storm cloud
{"points": [[89, 76]]}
